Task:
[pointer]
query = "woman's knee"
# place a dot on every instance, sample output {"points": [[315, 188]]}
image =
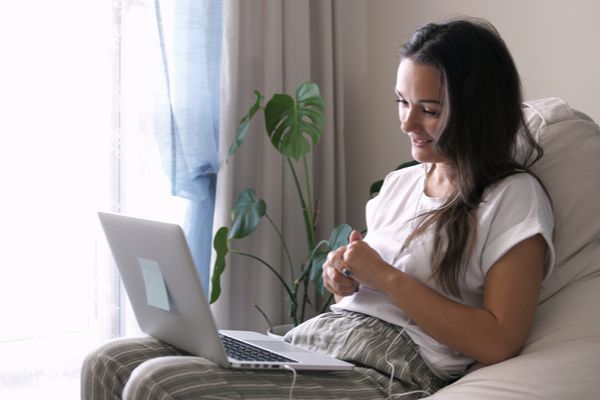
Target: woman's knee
{"points": [[102, 371], [106, 370], [164, 376]]}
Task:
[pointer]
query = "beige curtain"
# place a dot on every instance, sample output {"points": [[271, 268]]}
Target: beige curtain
{"points": [[273, 46]]}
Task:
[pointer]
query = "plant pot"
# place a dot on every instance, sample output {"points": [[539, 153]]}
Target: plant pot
{"points": [[279, 331]]}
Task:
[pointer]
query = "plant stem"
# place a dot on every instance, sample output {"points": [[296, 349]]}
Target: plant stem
{"points": [[263, 314], [310, 231], [304, 299], [311, 213], [310, 196], [322, 310], [294, 310], [285, 248], [316, 214], [266, 264]]}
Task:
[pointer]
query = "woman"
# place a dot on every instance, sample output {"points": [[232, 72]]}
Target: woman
{"points": [[450, 270]]}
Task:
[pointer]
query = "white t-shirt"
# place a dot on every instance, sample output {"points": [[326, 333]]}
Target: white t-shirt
{"points": [[512, 210]]}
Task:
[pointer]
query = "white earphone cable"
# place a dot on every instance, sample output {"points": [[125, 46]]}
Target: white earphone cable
{"points": [[286, 366], [392, 396]]}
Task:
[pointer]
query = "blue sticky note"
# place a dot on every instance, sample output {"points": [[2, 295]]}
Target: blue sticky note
{"points": [[156, 289]]}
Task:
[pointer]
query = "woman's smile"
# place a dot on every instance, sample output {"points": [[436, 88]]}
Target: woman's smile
{"points": [[420, 142]]}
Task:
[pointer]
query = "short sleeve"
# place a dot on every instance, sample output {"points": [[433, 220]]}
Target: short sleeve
{"points": [[514, 210]]}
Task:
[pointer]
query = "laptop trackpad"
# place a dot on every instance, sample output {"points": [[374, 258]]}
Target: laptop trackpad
{"points": [[277, 346]]}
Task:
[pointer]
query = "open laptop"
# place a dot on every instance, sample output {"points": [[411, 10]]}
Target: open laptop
{"points": [[168, 301]]}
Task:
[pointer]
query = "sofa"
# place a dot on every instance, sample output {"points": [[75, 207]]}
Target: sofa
{"points": [[561, 357]]}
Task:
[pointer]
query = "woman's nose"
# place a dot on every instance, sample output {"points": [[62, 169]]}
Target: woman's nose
{"points": [[408, 121]]}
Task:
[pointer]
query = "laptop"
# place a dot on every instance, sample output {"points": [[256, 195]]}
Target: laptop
{"points": [[168, 301]]}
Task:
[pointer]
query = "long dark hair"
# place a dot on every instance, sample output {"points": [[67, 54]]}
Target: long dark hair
{"points": [[480, 122]]}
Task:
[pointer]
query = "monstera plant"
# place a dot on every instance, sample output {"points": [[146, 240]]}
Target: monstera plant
{"points": [[294, 126]]}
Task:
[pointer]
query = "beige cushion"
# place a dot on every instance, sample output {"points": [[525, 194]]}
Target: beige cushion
{"points": [[560, 361], [570, 169], [561, 358]]}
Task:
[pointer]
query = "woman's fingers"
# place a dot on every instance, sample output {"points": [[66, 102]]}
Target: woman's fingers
{"points": [[334, 278]]}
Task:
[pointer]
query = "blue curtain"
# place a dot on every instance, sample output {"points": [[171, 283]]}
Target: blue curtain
{"points": [[187, 128]]}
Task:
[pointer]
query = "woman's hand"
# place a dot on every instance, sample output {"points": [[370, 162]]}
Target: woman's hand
{"points": [[334, 279], [350, 265], [363, 263]]}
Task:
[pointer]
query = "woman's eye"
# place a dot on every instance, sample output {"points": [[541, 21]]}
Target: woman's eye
{"points": [[431, 112], [402, 101]]}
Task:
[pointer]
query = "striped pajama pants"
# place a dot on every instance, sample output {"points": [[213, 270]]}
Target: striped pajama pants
{"points": [[146, 368]]}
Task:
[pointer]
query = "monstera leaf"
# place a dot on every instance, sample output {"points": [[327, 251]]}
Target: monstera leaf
{"points": [[245, 122], [246, 214], [221, 248], [291, 122], [339, 237]]}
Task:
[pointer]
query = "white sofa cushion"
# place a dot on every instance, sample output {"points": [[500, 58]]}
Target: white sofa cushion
{"points": [[561, 357], [570, 170]]}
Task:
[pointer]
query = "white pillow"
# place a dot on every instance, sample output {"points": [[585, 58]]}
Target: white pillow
{"points": [[565, 371], [570, 170], [561, 357]]}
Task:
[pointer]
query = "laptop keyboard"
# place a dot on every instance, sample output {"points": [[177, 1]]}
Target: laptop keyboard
{"points": [[246, 352]]}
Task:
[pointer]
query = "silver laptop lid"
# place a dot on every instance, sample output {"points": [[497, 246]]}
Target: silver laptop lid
{"points": [[153, 257]]}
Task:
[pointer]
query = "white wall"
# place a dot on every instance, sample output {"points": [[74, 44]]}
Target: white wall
{"points": [[555, 45]]}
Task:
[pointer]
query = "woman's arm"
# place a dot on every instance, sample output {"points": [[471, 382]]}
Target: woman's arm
{"points": [[489, 334]]}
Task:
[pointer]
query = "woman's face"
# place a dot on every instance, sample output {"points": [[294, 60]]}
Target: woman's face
{"points": [[419, 91]]}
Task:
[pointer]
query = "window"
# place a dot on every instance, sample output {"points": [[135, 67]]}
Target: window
{"points": [[68, 149]]}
